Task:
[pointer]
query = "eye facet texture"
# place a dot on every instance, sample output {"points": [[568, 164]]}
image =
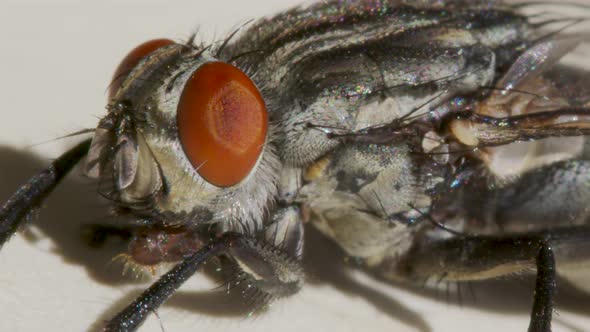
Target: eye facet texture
{"points": [[222, 123], [132, 59]]}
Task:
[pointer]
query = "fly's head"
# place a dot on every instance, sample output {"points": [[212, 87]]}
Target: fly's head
{"points": [[186, 140]]}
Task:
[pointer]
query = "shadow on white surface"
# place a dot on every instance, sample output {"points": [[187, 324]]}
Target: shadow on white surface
{"points": [[76, 203]]}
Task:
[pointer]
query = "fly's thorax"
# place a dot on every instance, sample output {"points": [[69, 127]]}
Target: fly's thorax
{"points": [[139, 156], [364, 197], [324, 100]]}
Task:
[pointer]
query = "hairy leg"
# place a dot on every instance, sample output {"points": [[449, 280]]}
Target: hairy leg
{"points": [[31, 195], [269, 264]]}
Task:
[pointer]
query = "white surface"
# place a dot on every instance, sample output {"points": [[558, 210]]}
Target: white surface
{"points": [[55, 64]]}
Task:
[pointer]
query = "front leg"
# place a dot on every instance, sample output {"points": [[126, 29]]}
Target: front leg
{"points": [[31, 195], [269, 263]]}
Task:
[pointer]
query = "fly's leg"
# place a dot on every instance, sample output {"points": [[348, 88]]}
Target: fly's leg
{"points": [[30, 196], [135, 313], [545, 219], [483, 257], [269, 263], [551, 197], [488, 131], [544, 290]]}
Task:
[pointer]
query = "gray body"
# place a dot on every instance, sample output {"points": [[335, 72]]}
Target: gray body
{"points": [[339, 79]]}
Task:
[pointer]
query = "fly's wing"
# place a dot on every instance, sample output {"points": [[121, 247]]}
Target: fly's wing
{"points": [[30, 196], [538, 98]]}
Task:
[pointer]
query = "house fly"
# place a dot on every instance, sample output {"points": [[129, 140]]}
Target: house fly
{"points": [[460, 149]]}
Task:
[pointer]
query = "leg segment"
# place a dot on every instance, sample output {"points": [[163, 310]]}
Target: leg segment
{"points": [[13, 213], [268, 264], [135, 313], [484, 257], [544, 291]]}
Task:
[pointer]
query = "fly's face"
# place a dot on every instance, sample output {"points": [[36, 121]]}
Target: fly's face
{"points": [[186, 139]]}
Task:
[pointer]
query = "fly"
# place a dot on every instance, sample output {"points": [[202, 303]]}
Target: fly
{"points": [[432, 142]]}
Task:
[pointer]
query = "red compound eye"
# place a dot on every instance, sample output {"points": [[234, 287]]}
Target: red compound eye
{"points": [[132, 59], [222, 123]]}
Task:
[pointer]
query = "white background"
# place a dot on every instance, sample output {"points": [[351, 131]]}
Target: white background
{"points": [[56, 61]]}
